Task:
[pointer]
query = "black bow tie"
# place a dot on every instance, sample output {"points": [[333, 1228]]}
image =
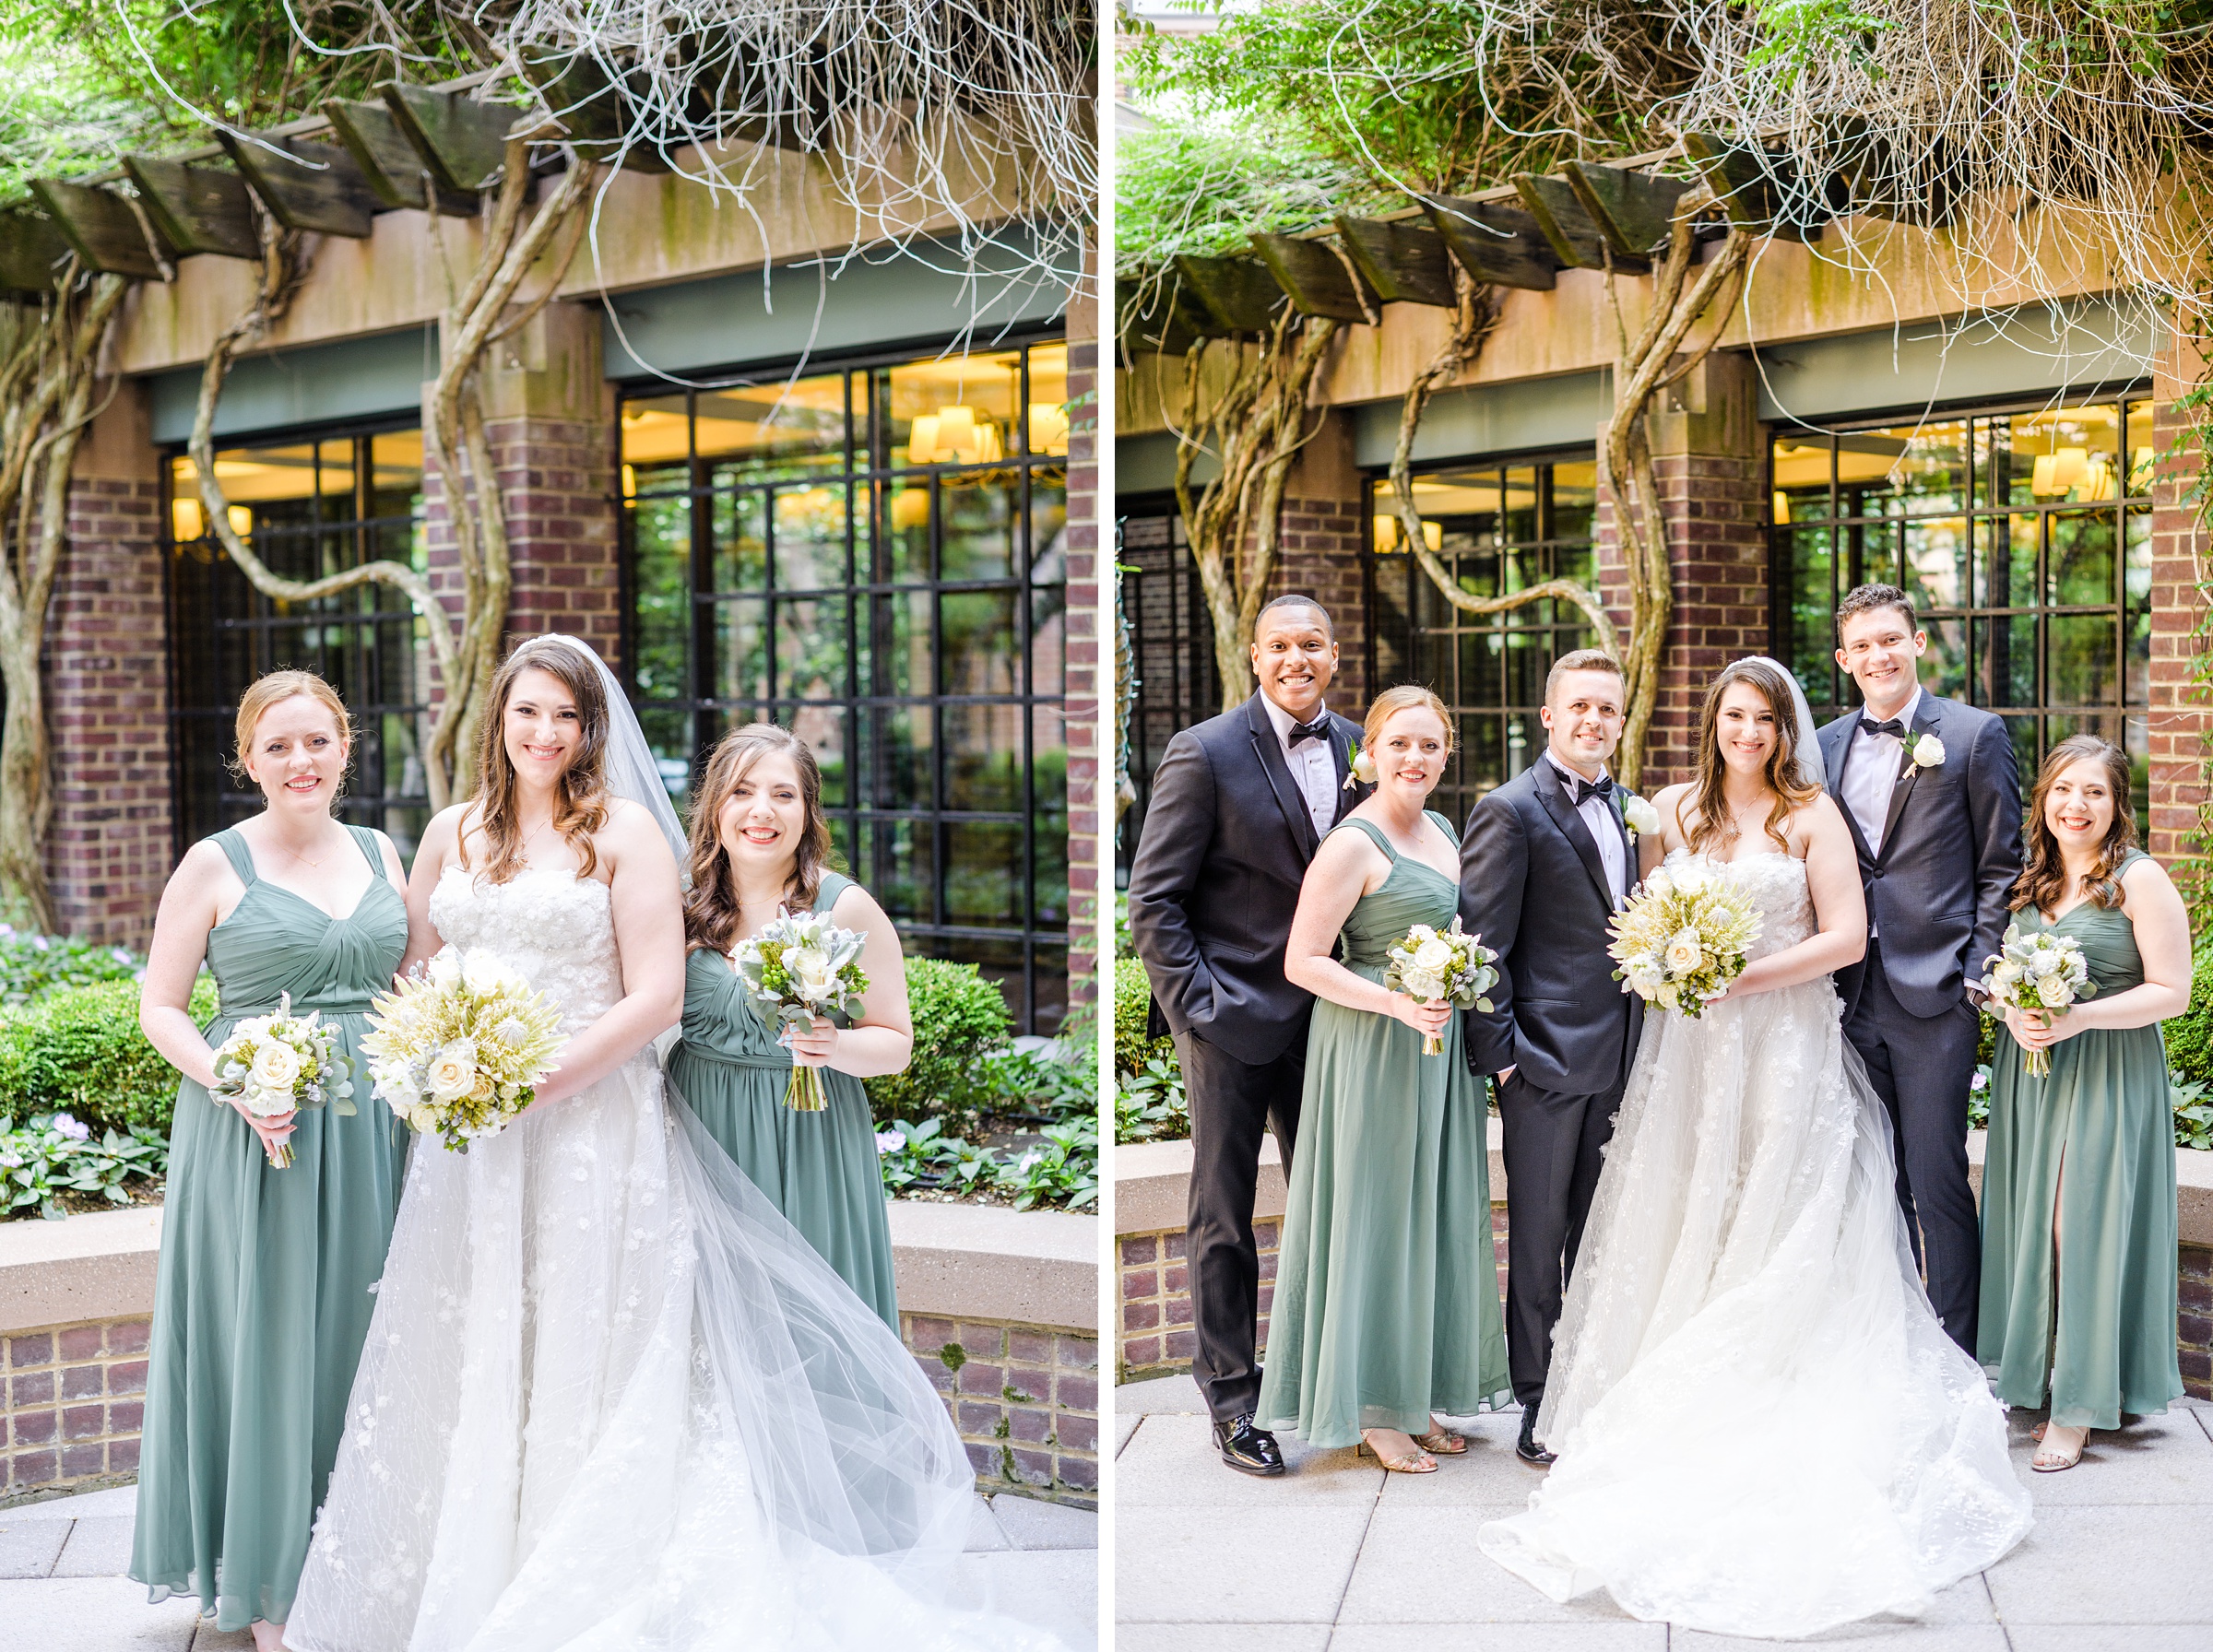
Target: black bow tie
{"points": [[1893, 727], [1316, 730], [1582, 790]]}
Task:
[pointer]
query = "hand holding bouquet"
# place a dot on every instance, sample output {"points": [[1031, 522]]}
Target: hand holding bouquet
{"points": [[1682, 938], [459, 1049], [799, 967], [275, 1065], [1441, 966], [2040, 972]]}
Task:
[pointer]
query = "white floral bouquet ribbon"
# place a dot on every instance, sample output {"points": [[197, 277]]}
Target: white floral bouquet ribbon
{"points": [[795, 969], [1448, 966], [272, 1064], [458, 1049], [2039, 970], [1683, 938]]}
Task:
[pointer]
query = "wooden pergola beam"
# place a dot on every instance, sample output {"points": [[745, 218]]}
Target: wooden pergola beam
{"points": [[1635, 211], [1315, 275], [315, 187], [463, 142], [1160, 322], [1221, 297], [594, 113], [196, 208], [1576, 239], [1405, 260], [32, 252], [1759, 191], [395, 174], [101, 227], [1499, 246]]}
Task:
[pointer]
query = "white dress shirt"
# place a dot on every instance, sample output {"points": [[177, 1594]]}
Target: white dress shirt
{"points": [[1871, 770], [1313, 767], [1599, 815]]}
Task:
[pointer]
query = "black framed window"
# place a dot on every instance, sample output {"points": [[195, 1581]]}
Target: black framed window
{"points": [[308, 507], [873, 555], [1172, 643], [2023, 537], [1498, 527]]}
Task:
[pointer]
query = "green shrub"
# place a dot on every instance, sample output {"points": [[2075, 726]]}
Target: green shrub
{"points": [[51, 1155], [959, 1018], [31, 965], [2189, 1034], [1132, 996], [79, 1050]]}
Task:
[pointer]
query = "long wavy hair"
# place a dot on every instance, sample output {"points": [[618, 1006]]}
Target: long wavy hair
{"points": [[710, 907], [1716, 826], [580, 801], [2043, 880]]}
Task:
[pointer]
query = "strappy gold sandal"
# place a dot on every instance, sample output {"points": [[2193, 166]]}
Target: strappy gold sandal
{"points": [[1413, 1462], [1443, 1442], [2050, 1461]]}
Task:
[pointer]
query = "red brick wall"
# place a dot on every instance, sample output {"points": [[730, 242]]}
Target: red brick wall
{"points": [[1321, 557], [1024, 1399], [1718, 546], [1084, 683], [73, 1404], [2179, 723]]}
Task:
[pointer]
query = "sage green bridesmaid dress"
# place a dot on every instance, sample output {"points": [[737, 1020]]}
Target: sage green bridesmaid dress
{"points": [[820, 1169], [267, 1276], [2107, 1345], [1386, 1304]]}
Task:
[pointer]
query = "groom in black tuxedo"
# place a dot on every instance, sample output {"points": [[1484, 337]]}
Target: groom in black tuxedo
{"points": [[1239, 805], [1932, 795], [1545, 861]]}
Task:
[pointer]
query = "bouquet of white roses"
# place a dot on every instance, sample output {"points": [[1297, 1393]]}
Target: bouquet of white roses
{"points": [[1683, 936], [2039, 970], [459, 1048], [272, 1064], [795, 969], [1441, 965]]}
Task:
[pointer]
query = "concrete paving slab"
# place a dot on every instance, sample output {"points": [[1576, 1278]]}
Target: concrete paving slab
{"points": [[985, 1534], [98, 1546], [2111, 1638], [1501, 1637], [1284, 1563], [2165, 1458], [1224, 1637], [208, 1639], [1177, 1393], [115, 1500], [1487, 1472], [1420, 1564], [1059, 1591], [1124, 1426], [30, 1547], [1859, 1637], [2106, 1565], [1030, 1524], [92, 1615], [1172, 1462]]}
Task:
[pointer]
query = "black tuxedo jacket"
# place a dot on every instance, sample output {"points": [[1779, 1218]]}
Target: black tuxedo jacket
{"points": [[1937, 891], [1215, 880], [1533, 886]]}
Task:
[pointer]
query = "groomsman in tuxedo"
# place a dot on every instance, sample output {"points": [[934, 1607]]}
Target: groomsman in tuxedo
{"points": [[1545, 861], [1239, 805], [1933, 796]]}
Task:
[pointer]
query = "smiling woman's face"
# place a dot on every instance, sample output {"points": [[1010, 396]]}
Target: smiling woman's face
{"points": [[541, 726], [297, 756], [765, 816], [2079, 804], [1745, 726], [1410, 750]]}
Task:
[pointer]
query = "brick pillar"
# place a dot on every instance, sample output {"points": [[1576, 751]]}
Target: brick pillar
{"points": [[1708, 460], [109, 849], [1320, 552], [1083, 685], [2179, 722]]}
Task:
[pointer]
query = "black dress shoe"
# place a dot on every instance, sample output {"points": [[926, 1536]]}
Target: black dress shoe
{"points": [[1248, 1450], [1526, 1447]]}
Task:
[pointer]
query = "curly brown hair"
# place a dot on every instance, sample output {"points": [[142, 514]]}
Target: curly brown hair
{"points": [[580, 801], [710, 906], [2043, 879], [1716, 826]]}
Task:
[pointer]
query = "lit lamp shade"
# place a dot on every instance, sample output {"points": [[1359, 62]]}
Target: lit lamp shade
{"points": [[910, 508], [1049, 428], [1386, 533], [240, 518], [922, 440], [185, 521], [954, 436], [2061, 472]]}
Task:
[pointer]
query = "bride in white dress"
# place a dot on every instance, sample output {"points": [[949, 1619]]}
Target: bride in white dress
{"points": [[610, 1399], [1762, 1428]]}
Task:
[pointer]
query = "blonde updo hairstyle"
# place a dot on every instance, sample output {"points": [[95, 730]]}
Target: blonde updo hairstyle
{"points": [[264, 693], [1405, 697]]}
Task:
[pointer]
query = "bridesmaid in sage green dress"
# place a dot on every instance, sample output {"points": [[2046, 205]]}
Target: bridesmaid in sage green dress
{"points": [[2079, 1176], [761, 846], [1386, 1309], [263, 1295]]}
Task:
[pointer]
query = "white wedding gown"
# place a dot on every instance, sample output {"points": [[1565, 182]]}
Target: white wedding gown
{"points": [[1762, 1427], [612, 1401]]}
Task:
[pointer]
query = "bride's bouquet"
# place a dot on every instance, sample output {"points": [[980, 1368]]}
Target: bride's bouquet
{"points": [[459, 1049], [272, 1064], [1683, 936], [795, 969], [1441, 965], [2039, 970]]}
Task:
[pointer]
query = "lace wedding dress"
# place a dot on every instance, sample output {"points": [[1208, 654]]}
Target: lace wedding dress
{"points": [[610, 1400], [1763, 1429]]}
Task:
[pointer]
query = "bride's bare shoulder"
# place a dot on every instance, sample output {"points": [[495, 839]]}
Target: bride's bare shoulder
{"points": [[1815, 820], [1672, 802]]}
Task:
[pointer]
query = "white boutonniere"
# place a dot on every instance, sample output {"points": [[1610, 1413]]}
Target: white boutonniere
{"points": [[1928, 752], [1362, 767], [1639, 815]]}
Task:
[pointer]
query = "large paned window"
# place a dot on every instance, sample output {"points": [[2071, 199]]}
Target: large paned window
{"points": [[1172, 649], [308, 508], [2024, 539], [874, 557], [1497, 528]]}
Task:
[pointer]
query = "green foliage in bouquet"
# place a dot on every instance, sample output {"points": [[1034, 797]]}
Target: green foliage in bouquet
{"points": [[80, 1050]]}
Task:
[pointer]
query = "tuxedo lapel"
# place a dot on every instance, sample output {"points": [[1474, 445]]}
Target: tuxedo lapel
{"points": [[1269, 752], [1552, 791], [1839, 742], [1925, 722]]}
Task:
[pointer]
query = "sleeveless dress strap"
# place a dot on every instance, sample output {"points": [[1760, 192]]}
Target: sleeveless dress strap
{"points": [[367, 839], [241, 856], [1374, 834], [833, 885]]}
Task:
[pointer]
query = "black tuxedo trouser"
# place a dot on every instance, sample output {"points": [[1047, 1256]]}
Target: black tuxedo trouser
{"points": [[1921, 1067], [1555, 1147], [1231, 1102]]}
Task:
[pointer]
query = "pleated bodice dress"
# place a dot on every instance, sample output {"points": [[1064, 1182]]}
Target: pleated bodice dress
{"points": [[263, 1291], [2107, 1344], [819, 1169], [1386, 1305]]}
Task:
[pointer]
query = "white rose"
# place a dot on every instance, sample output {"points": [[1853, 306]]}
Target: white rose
{"points": [[1420, 983], [1667, 996], [1928, 751], [1685, 953], [1660, 885], [445, 970], [1433, 956], [276, 1067], [1690, 881], [2005, 974], [485, 974], [1364, 768], [809, 970], [2055, 993], [453, 1070], [2044, 963], [1645, 975], [1640, 814]]}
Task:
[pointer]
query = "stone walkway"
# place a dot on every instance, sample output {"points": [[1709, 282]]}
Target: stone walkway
{"points": [[63, 1589], [1340, 1557]]}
